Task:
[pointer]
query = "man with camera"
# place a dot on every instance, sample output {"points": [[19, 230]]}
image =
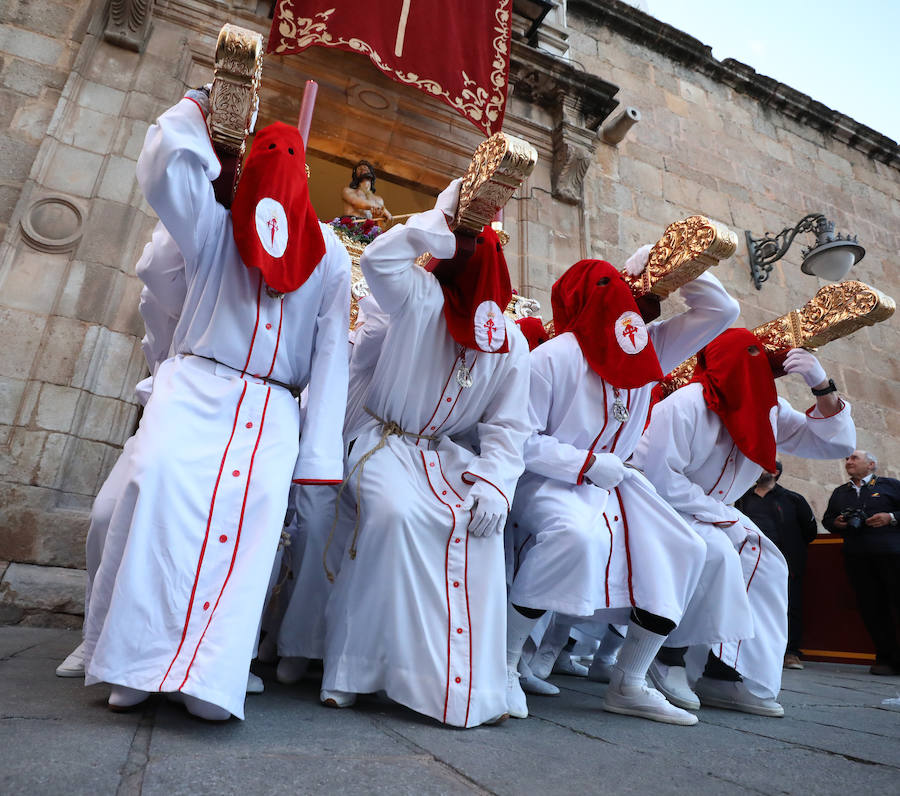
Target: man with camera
{"points": [[866, 511]]}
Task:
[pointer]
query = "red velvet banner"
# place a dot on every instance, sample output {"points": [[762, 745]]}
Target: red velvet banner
{"points": [[457, 51]]}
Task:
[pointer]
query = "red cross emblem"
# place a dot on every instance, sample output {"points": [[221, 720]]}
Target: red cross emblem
{"points": [[272, 224], [629, 330], [490, 326]]}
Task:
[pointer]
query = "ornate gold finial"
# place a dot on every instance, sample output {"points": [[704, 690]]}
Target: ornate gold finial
{"points": [[234, 97], [836, 311], [498, 167], [686, 249]]}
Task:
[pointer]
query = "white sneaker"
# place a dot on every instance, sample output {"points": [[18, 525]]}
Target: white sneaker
{"points": [[672, 683], [254, 684], [337, 699], [516, 703], [291, 670], [73, 665], [205, 710], [121, 697], [534, 685], [565, 665], [735, 696], [600, 670], [644, 702]]}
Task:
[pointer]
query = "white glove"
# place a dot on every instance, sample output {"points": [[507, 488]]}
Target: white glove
{"points": [[252, 126], [448, 199], [607, 471], [201, 97], [635, 265], [488, 509], [799, 360]]}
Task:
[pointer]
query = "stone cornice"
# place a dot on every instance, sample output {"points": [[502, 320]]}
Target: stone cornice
{"points": [[553, 83], [684, 49]]}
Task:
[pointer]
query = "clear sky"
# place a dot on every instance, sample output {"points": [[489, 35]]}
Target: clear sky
{"points": [[843, 54]]}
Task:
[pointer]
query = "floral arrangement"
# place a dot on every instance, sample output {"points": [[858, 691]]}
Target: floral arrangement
{"points": [[362, 230]]}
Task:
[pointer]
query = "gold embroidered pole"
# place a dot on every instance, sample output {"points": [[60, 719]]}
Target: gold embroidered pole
{"points": [[686, 249], [233, 101], [835, 311]]}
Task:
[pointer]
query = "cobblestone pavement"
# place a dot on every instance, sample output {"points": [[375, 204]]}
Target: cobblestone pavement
{"points": [[58, 737]]}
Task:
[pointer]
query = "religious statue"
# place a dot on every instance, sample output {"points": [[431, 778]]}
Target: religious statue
{"points": [[360, 199]]}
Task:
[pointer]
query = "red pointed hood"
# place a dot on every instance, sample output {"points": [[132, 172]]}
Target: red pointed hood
{"points": [[593, 301], [534, 331], [275, 227], [740, 388], [476, 292]]}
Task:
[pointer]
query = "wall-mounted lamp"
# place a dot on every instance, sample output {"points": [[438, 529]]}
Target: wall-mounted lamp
{"points": [[831, 258]]}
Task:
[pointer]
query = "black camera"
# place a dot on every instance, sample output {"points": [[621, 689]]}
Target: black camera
{"points": [[855, 518]]}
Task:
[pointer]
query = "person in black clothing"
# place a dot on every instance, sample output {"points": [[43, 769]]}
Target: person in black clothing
{"points": [[865, 512], [786, 518]]}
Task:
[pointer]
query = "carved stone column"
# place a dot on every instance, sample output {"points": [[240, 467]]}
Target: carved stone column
{"points": [[128, 23]]}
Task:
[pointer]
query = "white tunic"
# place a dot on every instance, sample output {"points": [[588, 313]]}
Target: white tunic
{"points": [[694, 463], [217, 447], [578, 550], [304, 596], [414, 613], [161, 268]]}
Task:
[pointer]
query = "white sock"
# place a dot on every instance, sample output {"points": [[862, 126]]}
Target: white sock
{"points": [[638, 651], [610, 645], [518, 628], [557, 633]]}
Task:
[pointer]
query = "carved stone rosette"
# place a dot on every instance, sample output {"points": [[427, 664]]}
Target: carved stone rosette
{"points": [[498, 167], [234, 96], [834, 312], [686, 249]]}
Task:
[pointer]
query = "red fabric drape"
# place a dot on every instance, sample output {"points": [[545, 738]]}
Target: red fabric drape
{"points": [[456, 52]]}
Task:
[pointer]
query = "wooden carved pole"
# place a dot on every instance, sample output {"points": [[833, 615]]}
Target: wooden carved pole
{"points": [[834, 312], [233, 101]]}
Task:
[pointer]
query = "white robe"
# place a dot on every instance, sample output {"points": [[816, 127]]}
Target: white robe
{"points": [[217, 447], [740, 604], [579, 548], [304, 596], [161, 268], [414, 614]]}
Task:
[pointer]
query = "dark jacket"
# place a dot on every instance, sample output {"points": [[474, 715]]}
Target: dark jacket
{"points": [[880, 494], [786, 518]]}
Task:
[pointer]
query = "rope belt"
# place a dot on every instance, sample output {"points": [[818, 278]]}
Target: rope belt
{"points": [[388, 429], [293, 390]]}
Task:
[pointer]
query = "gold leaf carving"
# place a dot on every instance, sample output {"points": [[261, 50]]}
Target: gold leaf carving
{"points": [[686, 249], [234, 93], [836, 311], [498, 167]]}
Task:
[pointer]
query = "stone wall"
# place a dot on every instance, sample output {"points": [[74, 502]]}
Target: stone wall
{"points": [[73, 225], [77, 96], [708, 147]]}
